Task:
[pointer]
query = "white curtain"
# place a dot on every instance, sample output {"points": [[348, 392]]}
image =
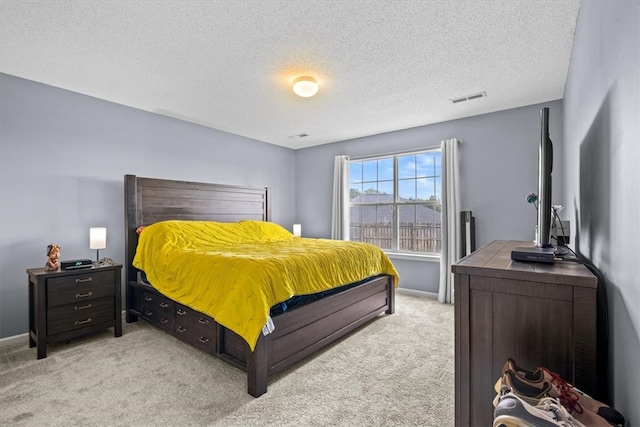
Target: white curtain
{"points": [[340, 211], [450, 217]]}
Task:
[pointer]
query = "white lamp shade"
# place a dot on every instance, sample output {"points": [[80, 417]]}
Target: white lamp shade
{"points": [[97, 238], [305, 86], [297, 230]]}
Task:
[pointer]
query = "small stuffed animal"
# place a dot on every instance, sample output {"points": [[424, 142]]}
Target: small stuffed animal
{"points": [[53, 252]]}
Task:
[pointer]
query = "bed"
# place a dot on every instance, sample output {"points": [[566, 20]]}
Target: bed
{"points": [[298, 332]]}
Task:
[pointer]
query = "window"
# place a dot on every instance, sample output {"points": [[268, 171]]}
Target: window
{"points": [[395, 202]]}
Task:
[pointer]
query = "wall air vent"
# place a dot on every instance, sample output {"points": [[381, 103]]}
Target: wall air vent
{"points": [[469, 97]]}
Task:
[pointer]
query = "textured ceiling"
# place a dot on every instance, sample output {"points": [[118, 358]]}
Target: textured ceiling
{"points": [[229, 65]]}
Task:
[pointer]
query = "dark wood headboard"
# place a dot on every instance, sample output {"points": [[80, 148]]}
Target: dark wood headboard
{"points": [[149, 200]]}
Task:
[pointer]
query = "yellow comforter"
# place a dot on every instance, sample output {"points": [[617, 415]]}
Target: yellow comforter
{"points": [[235, 272]]}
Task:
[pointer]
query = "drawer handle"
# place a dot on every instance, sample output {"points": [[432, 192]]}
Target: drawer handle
{"points": [[181, 312], [148, 313], [84, 280], [88, 294], [203, 321], [163, 320], [164, 305], [83, 307], [148, 299], [203, 340], [181, 329], [82, 322]]}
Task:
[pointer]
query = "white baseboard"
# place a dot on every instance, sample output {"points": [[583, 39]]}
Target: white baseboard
{"points": [[407, 291], [16, 339]]}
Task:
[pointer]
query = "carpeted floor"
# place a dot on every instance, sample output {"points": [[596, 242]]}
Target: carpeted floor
{"points": [[396, 371]]}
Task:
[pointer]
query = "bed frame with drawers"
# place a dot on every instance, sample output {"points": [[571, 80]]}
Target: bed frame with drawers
{"points": [[298, 332]]}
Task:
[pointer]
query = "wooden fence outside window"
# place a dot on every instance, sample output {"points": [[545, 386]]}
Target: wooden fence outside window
{"points": [[423, 238]]}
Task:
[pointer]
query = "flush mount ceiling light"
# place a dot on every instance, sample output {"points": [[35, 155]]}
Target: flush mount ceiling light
{"points": [[305, 86]]}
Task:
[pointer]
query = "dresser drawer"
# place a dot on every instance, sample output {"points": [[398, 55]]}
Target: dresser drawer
{"points": [[158, 310], [195, 328], [77, 288], [79, 320]]}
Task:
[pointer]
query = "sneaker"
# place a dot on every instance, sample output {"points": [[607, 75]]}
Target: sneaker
{"points": [[534, 395], [571, 397], [513, 411]]}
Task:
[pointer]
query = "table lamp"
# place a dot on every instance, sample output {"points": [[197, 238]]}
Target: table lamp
{"points": [[97, 239]]}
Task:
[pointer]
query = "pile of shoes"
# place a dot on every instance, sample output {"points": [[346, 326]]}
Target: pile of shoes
{"points": [[542, 398]]}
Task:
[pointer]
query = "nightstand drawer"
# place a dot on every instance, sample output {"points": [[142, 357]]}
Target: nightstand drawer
{"points": [[79, 321], [71, 289], [80, 309]]}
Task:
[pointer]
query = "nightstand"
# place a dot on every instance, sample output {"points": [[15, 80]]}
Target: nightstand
{"points": [[66, 304]]}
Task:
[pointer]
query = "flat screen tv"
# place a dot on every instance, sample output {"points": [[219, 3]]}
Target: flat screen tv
{"points": [[545, 169], [543, 251]]}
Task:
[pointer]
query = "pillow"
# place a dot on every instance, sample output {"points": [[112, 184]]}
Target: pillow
{"points": [[195, 234], [265, 231]]}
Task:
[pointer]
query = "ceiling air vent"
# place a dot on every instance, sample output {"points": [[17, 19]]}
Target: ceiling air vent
{"points": [[301, 135], [469, 97]]}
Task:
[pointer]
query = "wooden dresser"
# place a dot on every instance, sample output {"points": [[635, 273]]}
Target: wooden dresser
{"points": [[537, 314]]}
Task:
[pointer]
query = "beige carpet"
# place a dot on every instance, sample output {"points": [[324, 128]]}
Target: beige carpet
{"points": [[396, 371]]}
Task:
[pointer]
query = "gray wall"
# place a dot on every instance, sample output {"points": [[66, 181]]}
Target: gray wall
{"points": [[602, 174], [62, 161], [498, 168]]}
